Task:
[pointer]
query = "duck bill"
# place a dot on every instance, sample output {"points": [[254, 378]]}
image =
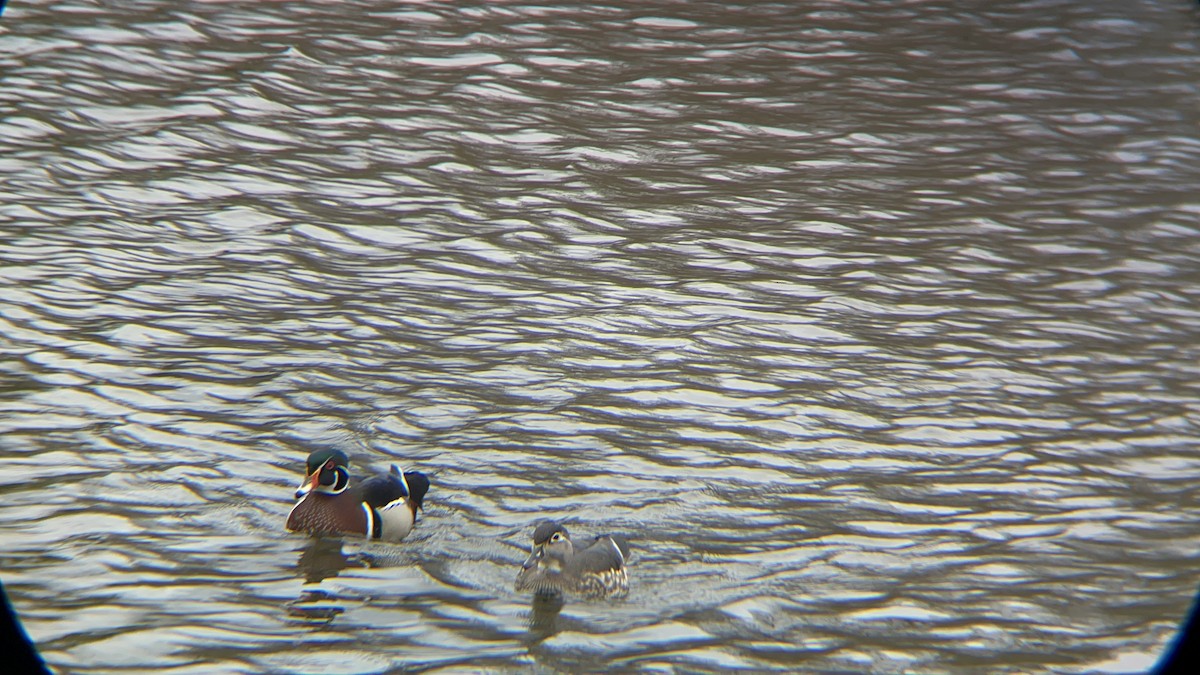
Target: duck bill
{"points": [[306, 486], [533, 559]]}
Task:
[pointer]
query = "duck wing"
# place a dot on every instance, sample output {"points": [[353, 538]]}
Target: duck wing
{"points": [[379, 491], [606, 552]]}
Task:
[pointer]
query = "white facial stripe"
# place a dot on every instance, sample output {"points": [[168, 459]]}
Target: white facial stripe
{"points": [[404, 482], [341, 480]]}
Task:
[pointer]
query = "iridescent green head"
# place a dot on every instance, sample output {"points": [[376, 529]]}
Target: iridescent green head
{"points": [[326, 471]]}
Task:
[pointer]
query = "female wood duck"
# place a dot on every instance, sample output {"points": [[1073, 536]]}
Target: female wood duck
{"points": [[381, 507], [556, 566]]}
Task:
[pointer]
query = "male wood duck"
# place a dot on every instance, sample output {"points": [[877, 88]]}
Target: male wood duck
{"points": [[381, 507], [556, 566]]}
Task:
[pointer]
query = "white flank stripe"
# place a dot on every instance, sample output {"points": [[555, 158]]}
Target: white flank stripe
{"points": [[370, 519]]}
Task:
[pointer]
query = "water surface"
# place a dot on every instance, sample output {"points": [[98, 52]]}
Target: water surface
{"points": [[872, 325]]}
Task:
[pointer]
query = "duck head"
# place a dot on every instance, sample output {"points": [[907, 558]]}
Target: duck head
{"points": [[327, 473], [552, 552]]}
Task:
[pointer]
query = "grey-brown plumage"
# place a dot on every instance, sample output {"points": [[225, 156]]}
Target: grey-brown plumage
{"points": [[556, 566]]}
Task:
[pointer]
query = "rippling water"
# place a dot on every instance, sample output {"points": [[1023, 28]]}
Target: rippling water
{"points": [[872, 325]]}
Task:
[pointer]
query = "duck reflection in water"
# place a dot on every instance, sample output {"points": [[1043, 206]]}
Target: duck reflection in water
{"points": [[322, 558], [543, 616]]}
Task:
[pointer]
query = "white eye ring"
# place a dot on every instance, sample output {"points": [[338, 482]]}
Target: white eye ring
{"points": [[556, 537]]}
